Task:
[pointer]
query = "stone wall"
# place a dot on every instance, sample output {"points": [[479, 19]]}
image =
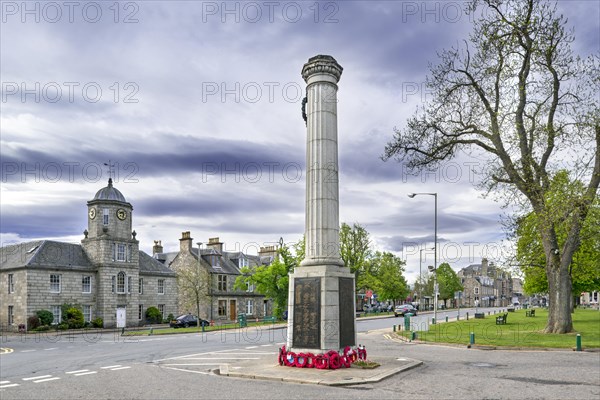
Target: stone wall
{"points": [[17, 299]]}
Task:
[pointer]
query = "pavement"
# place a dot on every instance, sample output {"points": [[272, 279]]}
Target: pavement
{"points": [[266, 367]]}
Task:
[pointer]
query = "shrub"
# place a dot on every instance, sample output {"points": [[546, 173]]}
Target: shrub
{"points": [[153, 315], [33, 322], [97, 322], [63, 326], [74, 318], [170, 317], [42, 328], [45, 316]]}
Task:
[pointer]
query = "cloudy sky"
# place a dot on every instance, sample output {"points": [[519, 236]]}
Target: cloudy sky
{"points": [[198, 105]]}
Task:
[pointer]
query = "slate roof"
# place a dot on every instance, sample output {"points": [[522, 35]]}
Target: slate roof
{"points": [[151, 266], [44, 254], [59, 255]]}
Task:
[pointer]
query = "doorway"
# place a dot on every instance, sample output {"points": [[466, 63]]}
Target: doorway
{"points": [[232, 310], [121, 317]]}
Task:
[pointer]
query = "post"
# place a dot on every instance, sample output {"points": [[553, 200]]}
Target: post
{"points": [[472, 338], [578, 341]]}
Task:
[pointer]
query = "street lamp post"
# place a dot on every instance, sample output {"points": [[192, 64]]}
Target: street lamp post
{"points": [[435, 286], [421, 277]]}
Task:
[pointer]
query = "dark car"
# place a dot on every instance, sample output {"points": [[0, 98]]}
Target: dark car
{"points": [[404, 309], [183, 321]]}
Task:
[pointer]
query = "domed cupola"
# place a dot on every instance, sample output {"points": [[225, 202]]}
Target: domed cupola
{"points": [[110, 193]]}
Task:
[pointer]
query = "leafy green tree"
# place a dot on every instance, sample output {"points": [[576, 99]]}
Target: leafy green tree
{"points": [[193, 283], [515, 92], [584, 269], [387, 276], [354, 248], [273, 280], [448, 282]]}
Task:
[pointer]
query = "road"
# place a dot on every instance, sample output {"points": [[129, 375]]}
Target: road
{"points": [[179, 366]]}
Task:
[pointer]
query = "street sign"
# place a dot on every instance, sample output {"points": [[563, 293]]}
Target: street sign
{"points": [[369, 293]]}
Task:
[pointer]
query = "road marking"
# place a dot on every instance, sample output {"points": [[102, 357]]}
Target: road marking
{"points": [[51, 348], [76, 372], [111, 366], [251, 347], [36, 377], [187, 370], [5, 350], [9, 385], [224, 358], [119, 368], [27, 351], [87, 373], [266, 345], [46, 380], [197, 364], [4, 382]]}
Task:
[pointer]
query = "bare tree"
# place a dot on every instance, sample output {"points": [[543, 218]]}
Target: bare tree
{"points": [[515, 91]]}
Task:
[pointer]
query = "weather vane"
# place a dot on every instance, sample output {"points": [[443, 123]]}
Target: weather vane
{"points": [[110, 169]]}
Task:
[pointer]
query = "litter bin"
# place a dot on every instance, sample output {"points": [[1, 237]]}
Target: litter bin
{"points": [[407, 321], [242, 320]]}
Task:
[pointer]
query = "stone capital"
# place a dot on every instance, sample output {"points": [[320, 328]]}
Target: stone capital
{"points": [[322, 65]]}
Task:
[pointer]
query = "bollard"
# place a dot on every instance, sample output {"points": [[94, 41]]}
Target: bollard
{"points": [[432, 321], [151, 329], [467, 315], [122, 331], [446, 318], [413, 335], [472, 338], [578, 342], [394, 328], [203, 327]]}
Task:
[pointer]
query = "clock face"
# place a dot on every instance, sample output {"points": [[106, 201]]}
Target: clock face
{"points": [[92, 213], [121, 214]]}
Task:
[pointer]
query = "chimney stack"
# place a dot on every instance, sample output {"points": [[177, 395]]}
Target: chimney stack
{"points": [[185, 243], [157, 248]]}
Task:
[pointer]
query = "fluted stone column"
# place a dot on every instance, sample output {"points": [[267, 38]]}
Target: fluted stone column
{"points": [[321, 311]]}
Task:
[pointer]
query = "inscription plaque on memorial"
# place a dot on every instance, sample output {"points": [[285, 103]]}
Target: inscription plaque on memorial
{"points": [[346, 298], [307, 313]]}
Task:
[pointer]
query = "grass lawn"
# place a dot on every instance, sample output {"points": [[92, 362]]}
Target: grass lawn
{"points": [[519, 331], [193, 329]]}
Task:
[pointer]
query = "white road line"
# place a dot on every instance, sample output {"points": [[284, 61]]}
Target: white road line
{"points": [[251, 347], [36, 377], [187, 370], [195, 364], [76, 372], [46, 380], [27, 351], [224, 358], [4, 382], [119, 368], [87, 373], [266, 345], [51, 348], [111, 366], [10, 385]]}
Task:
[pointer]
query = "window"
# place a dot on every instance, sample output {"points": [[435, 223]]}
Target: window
{"points": [[86, 284], [161, 286], [121, 282], [113, 284], [222, 308], [87, 313], [161, 308], [476, 290], [120, 252], [222, 282], [250, 307], [250, 287], [140, 311], [243, 262], [141, 286], [56, 312], [11, 315], [129, 284], [55, 283], [105, 216], [11, 283]]}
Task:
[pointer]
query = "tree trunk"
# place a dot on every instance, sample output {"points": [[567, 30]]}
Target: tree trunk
{"points": [[560, 292]]}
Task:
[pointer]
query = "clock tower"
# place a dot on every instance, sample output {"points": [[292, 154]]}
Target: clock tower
{"points": [[109, 238]]}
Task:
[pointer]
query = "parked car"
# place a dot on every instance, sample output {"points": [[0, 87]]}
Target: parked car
{"points": [[183, 321], [404, 309]]}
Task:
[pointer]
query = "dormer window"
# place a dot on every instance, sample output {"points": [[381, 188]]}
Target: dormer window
{"points": [[105, 216]]}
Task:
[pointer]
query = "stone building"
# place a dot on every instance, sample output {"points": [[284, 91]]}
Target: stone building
{"points": [[106, 275], [213, 271], [485, 285]]}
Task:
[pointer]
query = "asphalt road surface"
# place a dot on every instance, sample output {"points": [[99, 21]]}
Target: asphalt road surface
{"points": [[109, 366]]}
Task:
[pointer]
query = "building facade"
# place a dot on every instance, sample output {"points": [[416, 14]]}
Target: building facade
{"points": [[486, 285], [207, 276], [107, 276]]}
